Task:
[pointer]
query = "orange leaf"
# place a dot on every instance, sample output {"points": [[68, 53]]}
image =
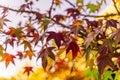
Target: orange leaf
{"points": [[29, 54], [36, 38], [28, 69], [57, 2], [8, 58]]}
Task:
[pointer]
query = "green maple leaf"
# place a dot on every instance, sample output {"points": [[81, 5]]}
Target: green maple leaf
{"points": [[93, 7]]}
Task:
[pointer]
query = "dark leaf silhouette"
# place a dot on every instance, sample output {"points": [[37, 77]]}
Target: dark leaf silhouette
{"points": [[58, 37], [103, 61], [103, 50], [19, 54], [73, 46], [72, 12], [59, 18], [44, 53], [112, 23]]}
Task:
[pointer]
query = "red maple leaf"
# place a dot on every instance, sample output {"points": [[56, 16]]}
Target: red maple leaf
{"points": [[73, 12], [28, 69], [20, 55], [11, 32], [74, 47], [58, 37], [59, 18]]}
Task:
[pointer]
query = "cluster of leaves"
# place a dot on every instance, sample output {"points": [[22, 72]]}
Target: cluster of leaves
{"points": [[96, 40]]}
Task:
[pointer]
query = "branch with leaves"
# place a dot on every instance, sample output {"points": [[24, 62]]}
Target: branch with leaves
{"points": [[78, 38]]}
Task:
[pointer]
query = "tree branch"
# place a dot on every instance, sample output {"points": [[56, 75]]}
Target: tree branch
{"points": [[35, 12], [70, 3], [49, 17], [50, 10], [115, 6]]}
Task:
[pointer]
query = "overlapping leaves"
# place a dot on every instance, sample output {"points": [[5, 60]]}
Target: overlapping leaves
{"points": [[44, 53], [73, 46], [58, 37]]}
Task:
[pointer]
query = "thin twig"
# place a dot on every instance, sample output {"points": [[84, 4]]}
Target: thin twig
{"points": [[116, 6], [50, 10], [70, 3], [62, 25], [98, 16], [34, 12]]}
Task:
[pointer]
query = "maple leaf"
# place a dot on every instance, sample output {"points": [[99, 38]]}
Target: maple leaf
{"points": [[89, 38], [44, 24], [39, 17], [59, 18], [30, 30], [57, 2], [44, 53], [47, 52], [11, 32], [93, 7], [103, 61], [35, 38], [74, 47], [15, 32], [3, 21], [77, 23], [112, 23], [91, 23], [9, 41], [8, 58], [58, 37], [29, 53], [73, 12], [20, 54], [92, 35], [103, 50], [79, 2], [24, 6], [60, 64], [27, 45], [1, 50], [116, 35], [28, 69]]}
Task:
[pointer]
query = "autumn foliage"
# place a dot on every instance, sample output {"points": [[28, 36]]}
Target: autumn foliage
{"points": [[75, 41]]}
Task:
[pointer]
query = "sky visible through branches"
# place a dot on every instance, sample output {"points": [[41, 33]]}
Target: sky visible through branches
{"points": [[11, 70]]}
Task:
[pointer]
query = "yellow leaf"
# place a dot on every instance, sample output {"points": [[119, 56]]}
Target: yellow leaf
{"points": [[100, 42], [79, 40], [69, 56], [90, 63], [1, 50], [30, 54], [61, 53], [77, 23]]}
